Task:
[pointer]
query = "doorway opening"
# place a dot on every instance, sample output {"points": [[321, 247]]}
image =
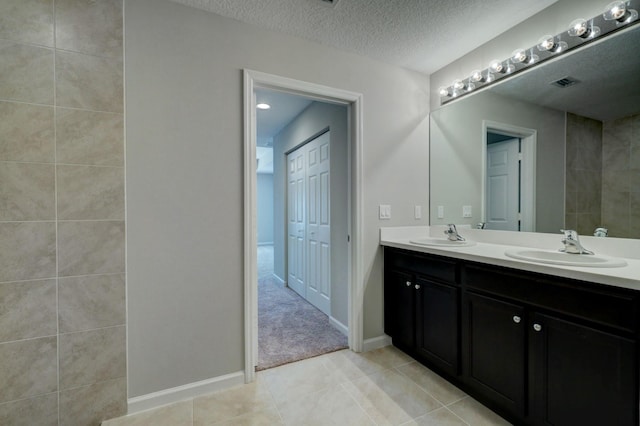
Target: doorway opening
{"points": [[508, 170], [352, 184], [302, 218]]}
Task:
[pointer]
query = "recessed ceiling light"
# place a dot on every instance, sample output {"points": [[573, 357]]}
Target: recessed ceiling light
{"points": [[263, 106]]}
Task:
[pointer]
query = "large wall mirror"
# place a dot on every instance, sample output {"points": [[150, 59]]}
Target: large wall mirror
{"points": [[557, 146]]}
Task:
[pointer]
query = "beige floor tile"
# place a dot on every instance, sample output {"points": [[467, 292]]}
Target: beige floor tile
{"points": [[300, 378], [391, 398], [476, 414], [354, 365], [435, 385], [266, 417], [332, 406], [439, 417], [178, 414], [232, 403]]}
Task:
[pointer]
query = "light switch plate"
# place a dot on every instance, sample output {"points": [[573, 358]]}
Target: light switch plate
{"points": [[417, 212], [440, 212], [466, 211], [385, 211]]}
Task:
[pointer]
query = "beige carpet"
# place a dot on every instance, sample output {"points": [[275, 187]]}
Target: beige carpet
{"points": [[289, 327]]}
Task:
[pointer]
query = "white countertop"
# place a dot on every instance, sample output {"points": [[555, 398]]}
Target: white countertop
{"points": [[491, 245]]}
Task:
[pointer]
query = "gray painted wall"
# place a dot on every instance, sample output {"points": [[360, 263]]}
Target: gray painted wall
{"points": [[264, 194], [185, 178], [313, 120]]}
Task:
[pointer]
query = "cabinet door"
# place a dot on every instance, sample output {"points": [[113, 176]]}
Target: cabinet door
{"points": [[437, 324], [581, 376], [494, 339], [402, 309]]}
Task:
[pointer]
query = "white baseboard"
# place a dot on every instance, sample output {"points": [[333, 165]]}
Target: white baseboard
{"points": [[339, 326], [180, 393], [280, 280], [376, 343]]}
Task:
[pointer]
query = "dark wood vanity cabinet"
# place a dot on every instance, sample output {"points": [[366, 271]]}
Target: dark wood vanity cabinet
{"points": [[538, 349], [422, 316]]}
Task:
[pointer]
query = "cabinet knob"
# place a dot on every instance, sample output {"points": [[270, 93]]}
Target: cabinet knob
{"points": [[517, 319], [408, 283], [417, 286], [537, 327]]}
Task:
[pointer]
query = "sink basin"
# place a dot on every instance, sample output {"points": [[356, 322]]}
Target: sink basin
{"points": [[566, 259], [441, 242]]}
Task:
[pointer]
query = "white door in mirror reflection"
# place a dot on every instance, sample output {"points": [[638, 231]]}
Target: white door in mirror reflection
{"points": [[503, 185]]}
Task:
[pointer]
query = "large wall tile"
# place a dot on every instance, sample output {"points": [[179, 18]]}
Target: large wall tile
{"points": [[28, 368], [90, 192], [27, 250], [89, 302], [27, 309], [27, 191], [92, 356], [26, 73], [93, 27], [90, 82], [86, 248], [87, 137], [90, 405], [26, 133], [27, 21], [41, 411]]}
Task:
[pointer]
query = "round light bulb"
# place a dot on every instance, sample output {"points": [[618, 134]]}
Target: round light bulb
{"points": [[496, 66], [546, 43], [443, 91], [579, 28], [476, 76], [457, 85], [263, 106], [615, 10], [519, 56]]}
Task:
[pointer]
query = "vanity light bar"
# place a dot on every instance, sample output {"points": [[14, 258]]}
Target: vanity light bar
{"points": [[617, 15]]}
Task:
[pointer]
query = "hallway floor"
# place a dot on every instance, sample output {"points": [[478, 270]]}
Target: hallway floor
{"points": [[289, 328], [380, 387]]}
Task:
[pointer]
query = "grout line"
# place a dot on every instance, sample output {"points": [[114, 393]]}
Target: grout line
{"points": [[62, 220], [17, 101], [60, 164], [463, 420], [40, 395], [55, 192], [66, 276], [28, 339]]}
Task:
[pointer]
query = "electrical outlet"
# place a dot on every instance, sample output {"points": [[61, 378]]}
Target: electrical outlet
{"points": [[417, 212], [466, 211], [384, 212], [440, 212]]}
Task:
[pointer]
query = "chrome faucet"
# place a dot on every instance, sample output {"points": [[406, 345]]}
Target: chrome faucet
{"points": [[572, 243], [452, 233]]}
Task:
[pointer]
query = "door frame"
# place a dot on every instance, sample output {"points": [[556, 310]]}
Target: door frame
{"points": [[256, 80], [528, 171]]}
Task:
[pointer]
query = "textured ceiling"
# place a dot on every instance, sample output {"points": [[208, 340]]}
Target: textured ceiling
{"points": [[423, 35]]}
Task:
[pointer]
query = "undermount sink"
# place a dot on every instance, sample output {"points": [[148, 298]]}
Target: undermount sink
{"points": [[566, 259], [441, 242]]}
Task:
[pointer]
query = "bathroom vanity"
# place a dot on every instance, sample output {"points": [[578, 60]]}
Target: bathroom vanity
{"points": [[537, 347]]}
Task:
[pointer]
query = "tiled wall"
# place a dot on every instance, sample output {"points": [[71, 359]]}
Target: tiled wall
{"points": [[584, 174], [62, 229], [621, 176]]}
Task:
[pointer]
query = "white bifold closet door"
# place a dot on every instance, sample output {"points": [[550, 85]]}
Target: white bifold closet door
{"points": [[309, 236]]}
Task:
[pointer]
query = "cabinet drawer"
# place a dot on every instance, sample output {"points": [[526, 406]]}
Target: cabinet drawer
{"points": [[428, 266], [611, 307]]}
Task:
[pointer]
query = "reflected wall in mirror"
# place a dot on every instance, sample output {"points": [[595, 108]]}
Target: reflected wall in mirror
{"points": [[585, 170]]}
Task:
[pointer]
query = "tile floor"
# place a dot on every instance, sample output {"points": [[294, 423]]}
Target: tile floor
{"points": [[380, 387]]}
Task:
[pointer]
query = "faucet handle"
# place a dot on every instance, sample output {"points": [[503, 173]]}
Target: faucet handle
{"points": [[570, 234]]}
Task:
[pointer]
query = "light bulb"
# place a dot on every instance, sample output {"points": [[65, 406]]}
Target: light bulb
{"points": [[457, 85], [496, 66], [443, 91], [470, 86], [510, 67], [519, 56], [546, 43], [263, 106], [581, 28], [476, 76], [615, 10]]}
